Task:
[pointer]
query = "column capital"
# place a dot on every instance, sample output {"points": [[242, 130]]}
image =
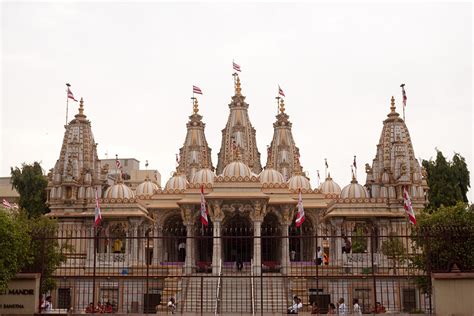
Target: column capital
{"points": [[259, 210], [287, 213], [187, 214], [215, 211]]}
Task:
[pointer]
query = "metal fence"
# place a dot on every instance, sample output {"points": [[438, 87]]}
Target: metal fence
{"points": [[137, 270]]}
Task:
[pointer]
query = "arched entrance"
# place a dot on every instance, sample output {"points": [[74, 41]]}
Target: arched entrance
{"points": [[271, 239], [302, 241], [237, 243], [204, 241], [174, 238]]}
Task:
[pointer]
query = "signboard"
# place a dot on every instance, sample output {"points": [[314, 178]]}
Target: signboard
{"points": [[22, 295]]}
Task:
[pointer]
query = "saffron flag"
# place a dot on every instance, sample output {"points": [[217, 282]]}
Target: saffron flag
{"points": [[70, 95], [7, 204], [204, 219], [408, 207], [404, 94], [97, 215], [280, 92], [354, 163], [300, 215], [118, 164], [197, 90], [236, 67]]}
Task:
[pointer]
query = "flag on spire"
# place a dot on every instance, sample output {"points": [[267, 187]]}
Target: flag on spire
{"points": [[300, 215], [280, 91], [326, 163], [98, 215], [408, 206], [69, 93], [7, 204], [204, 219], [236, 67], [404, 94], [355, 163], [197, 90]]}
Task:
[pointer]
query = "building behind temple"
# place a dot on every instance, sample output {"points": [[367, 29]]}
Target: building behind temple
{"points": [[251, 205]]}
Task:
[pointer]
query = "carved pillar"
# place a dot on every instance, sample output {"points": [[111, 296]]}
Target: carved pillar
{"points": [[157, 244], [216, 216], [134, 223], [257, 218], [187, 215], [287, 215], [337, 253], [90, 248]]}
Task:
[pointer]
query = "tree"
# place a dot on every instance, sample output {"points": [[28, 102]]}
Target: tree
{"points": [[14, 243], [445, 237], [359, 240], [394, 249], [448, 181], [31, 184]]}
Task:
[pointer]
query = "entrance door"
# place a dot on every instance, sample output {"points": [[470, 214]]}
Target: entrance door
{"points": [[237, 239]]}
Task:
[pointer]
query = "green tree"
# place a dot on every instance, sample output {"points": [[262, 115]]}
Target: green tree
{"points": [[359, 240], [31, 184], [445, 237], [448, 181], [394, 249], [14, 243]]}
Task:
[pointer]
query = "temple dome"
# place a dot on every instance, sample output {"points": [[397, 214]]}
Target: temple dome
{"points": [[354, 190], [147, 187], [330, 187], [237, 169], [119, 191], [204, 176], [270, 175], [297, 182], [177, 182]]}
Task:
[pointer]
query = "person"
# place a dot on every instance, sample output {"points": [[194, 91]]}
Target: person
{"points": [[47, 305], [182, 250], [326, 259], [314, 308], [99, 308], [379, 308], [172, 305], [319, 256], [347, 244], [297, 305], [292, 255], [342, 308], [90, 308], [240, 264], [356, 307], [331, 308], [108, 308], [117, 248]]}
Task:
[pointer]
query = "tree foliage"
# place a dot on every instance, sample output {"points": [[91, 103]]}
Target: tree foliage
{"points": [[31, 184], [14, 245], [394, 249], [359, 240], [448, 181]]}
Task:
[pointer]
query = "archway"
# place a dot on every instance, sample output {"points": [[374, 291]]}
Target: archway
{"points": [[237, 240], [204, 242], [271, 239], [174, 236], [302, 241]]}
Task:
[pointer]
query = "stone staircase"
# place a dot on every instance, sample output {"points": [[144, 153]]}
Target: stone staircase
{"points": [[271, 293], [196, 287], [236, 294]]}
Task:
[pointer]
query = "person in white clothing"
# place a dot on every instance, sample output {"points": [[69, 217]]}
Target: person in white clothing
{"points": [[356, 307], [47, 305], [342, 307], [297, 305]]}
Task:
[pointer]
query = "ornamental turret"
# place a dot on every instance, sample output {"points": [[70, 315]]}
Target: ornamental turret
{"points": [[395, 165], [195, 153], [239, 133]]}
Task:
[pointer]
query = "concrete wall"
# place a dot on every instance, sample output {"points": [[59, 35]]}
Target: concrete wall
{"points": [[453, 293]]}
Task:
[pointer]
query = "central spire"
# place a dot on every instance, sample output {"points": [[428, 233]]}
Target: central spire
{"points": [[239, 134]]}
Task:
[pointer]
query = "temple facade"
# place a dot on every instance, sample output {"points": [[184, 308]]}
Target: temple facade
{"points": [[160, 227]]}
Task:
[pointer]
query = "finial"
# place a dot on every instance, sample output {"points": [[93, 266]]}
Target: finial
{"points": [[237, 85], [392, 106], [282, 106], [195, 106], [81, 106], [237, 154]]}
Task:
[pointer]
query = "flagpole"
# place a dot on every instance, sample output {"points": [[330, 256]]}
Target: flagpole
{"points": [[278, 103], [67, 100], [325, 168], [404, 113]]}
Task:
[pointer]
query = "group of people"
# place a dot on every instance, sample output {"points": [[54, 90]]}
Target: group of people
{"points": [[341, 308], [106, 308]]}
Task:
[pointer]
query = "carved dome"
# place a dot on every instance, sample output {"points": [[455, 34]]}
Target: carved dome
{"points": [[354, 190], [204, 176], [297, 182], [237, 169], [270, 175], [119, 191], [177, 182], [330, 187], [147, 187]]}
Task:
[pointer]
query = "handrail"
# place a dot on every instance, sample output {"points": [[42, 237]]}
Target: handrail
{"points": [[252, 287], [218, 288]]}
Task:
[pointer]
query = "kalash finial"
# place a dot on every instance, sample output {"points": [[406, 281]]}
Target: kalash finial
{"points": [[282, 106], [195, 106], [238, 89], [392, 104], [81, 106]]}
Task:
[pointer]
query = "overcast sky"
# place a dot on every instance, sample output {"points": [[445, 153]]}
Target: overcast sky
{"points": [[135, 65]]}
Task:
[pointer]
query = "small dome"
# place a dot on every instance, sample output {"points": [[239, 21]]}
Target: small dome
{"points": [[177, 182], [147, 187], [204, 176], [271, 176], [354, 190], [330, 187], [119, 191], [299, 182], [237, 169]]}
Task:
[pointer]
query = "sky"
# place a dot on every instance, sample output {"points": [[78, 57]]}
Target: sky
{"points": [[135, 64]]}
